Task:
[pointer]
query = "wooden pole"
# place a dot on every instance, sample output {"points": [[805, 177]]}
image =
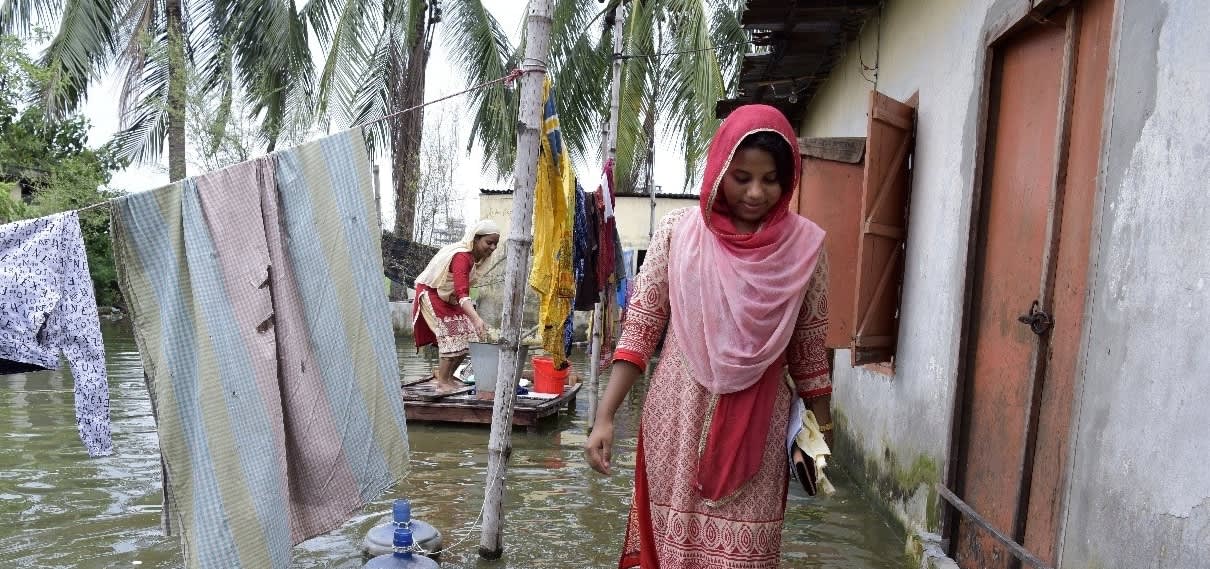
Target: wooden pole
{"points": [[610, 142], [520, 241], [377, 202]]}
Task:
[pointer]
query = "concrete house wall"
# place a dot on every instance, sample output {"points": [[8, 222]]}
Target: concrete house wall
{"points": [[1137, 495]]}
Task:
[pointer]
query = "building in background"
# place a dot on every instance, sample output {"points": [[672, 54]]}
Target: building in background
{"points": [[633, 212]]}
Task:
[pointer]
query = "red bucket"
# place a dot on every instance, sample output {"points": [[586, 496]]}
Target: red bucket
{"points": [[547, 379]]}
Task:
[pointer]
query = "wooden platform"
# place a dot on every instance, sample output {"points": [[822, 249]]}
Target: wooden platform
{"points": [[422, 403]]}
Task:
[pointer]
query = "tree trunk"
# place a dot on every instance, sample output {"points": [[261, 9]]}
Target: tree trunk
{"points": [[520, 240], [176, 91], [407, 130]]}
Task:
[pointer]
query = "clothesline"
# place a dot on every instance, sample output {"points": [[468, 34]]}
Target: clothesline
{"points": [[625, 56], [509, 78]]}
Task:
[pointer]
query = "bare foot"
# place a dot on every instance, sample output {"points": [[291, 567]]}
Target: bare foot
{"points": [[447, 386]]}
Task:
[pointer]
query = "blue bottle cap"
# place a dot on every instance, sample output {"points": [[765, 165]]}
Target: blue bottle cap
{"points": [[402, 511], [403, 538]]}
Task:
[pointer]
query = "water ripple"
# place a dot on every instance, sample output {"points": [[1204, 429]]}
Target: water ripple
{"points": [[59, 509]]}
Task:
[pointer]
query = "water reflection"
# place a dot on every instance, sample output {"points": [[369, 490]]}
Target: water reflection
{"points": [[59, 509]]}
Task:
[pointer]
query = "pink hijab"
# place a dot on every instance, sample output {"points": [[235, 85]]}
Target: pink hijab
{"points": [[735, 298], [734, 303]]}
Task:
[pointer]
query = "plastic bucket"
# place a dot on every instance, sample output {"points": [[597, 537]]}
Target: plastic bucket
{"points": [[485, 360], [547, 379]]}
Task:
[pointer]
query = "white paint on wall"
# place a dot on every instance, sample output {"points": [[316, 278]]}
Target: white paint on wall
{"points": [[935, 52]]}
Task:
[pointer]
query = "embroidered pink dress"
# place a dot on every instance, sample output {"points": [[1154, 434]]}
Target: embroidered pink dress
{"points": [[741, 311], [687, 530]]}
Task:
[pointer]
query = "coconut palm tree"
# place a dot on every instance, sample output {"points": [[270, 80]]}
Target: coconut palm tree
{"points": [[376, 53], [257, 47], [676, 92]]}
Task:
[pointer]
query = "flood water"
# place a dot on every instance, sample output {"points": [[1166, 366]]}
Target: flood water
{"points": [[60, 509]]}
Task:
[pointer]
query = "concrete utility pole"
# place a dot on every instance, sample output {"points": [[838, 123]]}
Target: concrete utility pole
{"points": [[520, 241]]}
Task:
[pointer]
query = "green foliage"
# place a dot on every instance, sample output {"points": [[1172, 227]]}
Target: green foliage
{"points": [[49, 160]]}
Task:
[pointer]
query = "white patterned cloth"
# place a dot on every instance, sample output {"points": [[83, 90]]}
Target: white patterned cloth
{"points": [[47, 307]]}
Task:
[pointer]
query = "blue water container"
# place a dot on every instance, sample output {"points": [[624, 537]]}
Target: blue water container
{"points": [[401, 558], [380, 539]]}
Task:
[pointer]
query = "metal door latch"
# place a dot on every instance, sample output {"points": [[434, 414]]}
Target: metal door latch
{"points": [[1039, 322]]}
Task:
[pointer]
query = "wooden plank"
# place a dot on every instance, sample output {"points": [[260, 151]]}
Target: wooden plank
{"points": [[874, 341], [884, 230], [848, 150], [885, 198], [892, 115], [411, 382], [467, 409], [1043, 353]]}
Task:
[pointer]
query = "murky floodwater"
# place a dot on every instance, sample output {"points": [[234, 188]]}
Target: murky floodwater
{"points": [[59, 509]]}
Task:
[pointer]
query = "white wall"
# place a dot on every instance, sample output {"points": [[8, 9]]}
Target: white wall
{"points": [[900, 426], [1140, 490], [633, 215]]}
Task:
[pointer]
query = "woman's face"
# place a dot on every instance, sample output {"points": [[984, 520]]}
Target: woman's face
{"points": [[485, 245], [751, 187]]}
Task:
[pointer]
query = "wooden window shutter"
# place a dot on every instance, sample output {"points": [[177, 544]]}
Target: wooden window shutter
{"points": [[883, 229], [830, 195]]}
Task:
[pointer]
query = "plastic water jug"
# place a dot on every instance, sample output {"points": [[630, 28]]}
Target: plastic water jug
{"points": [[402, 557]]}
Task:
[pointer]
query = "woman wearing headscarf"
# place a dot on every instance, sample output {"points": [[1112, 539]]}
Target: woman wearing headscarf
{"points": [[443, 312], [740, 285]]}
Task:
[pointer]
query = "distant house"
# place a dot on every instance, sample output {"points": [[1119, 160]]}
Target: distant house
{"points": [[633, 212], [1015, 194]]}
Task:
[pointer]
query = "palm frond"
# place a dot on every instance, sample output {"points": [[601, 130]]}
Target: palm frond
{"points": [[351, 32], [581, 69], [380, 72], [479, 47], [18, 17], [637, 76], [727, 32], [139, 26], [145, 126], [267, 41], [694, 81], [82, 47]]}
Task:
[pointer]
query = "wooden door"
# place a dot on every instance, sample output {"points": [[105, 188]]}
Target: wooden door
{"points": [[1028, 286]]}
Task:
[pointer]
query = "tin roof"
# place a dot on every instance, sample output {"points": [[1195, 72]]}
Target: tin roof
{"points": [[806, 38]]}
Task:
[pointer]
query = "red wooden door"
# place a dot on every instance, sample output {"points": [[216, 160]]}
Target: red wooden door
{"points": [[1012, 245], [1031, 254]]}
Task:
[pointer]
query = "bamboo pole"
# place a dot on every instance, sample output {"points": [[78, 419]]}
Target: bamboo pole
{"points": [[610, 143], [520, 241]]}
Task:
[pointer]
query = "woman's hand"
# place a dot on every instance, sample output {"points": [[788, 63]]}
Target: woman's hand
{"points": [[599, 448], [480, 327]]}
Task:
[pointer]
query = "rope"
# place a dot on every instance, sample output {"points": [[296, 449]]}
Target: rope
{"points": [[506, 79], [96, 205], [469, 532], [650, 55]]}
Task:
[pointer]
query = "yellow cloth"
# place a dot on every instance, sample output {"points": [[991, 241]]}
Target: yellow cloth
{"points": [[551, 276]]}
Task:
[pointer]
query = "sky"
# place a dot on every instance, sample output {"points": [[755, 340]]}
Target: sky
{"points": [[102, 112]]}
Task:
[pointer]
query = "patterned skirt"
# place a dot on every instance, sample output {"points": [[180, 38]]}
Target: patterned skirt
{"points": [[669, 520], [454, 332]]}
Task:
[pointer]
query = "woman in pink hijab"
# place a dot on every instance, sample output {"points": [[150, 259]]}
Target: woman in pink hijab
{"points": [[740, 285]]}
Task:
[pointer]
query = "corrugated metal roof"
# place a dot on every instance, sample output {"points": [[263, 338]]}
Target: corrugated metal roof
{"points": [[806, 39]]}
